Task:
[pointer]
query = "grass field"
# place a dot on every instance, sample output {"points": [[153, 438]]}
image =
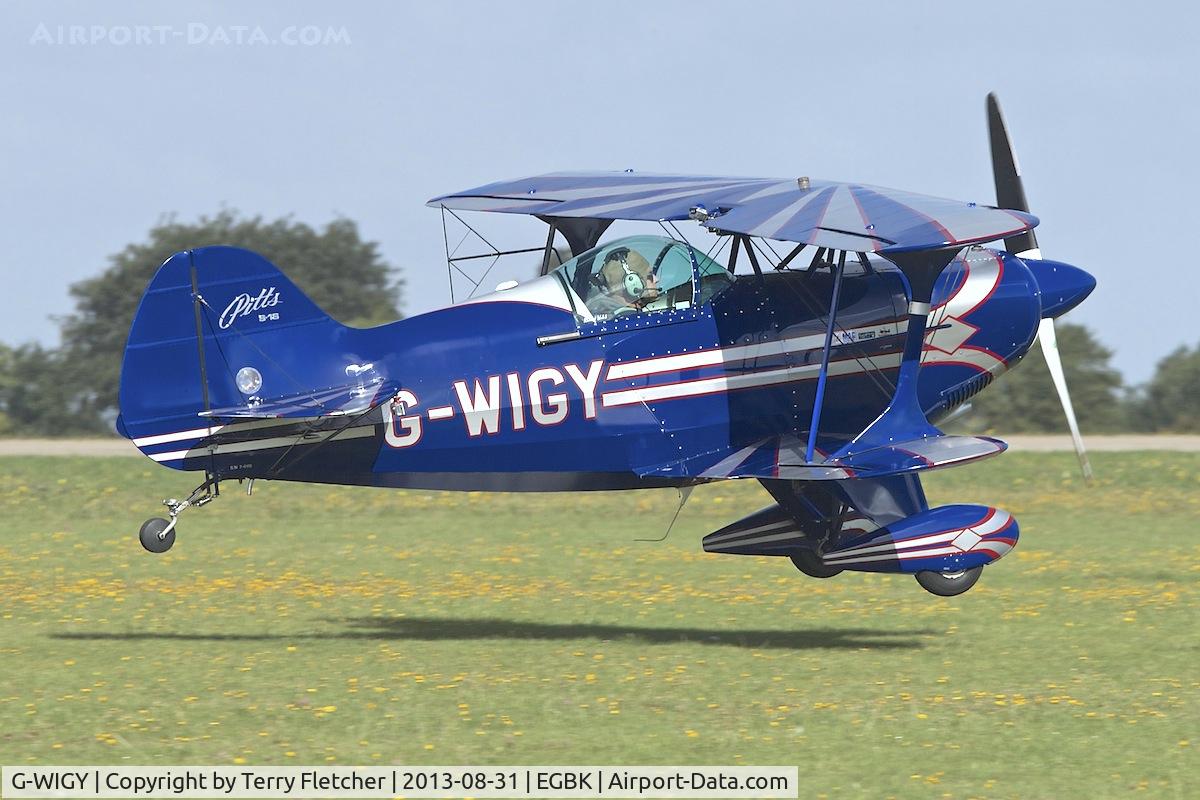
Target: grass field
{"points": [[311, 624]]}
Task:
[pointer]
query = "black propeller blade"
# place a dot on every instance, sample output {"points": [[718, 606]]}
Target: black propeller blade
{"points": [[1010, 192]]}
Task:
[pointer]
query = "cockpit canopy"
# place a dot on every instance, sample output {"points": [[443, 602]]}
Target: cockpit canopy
{"points": [[637, 275]]}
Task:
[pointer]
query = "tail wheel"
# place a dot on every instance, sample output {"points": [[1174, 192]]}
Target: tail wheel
{"points": [[948, 584], [812, 565], [152, 536]]}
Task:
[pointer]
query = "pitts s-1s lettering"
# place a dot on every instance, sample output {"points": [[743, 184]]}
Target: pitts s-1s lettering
{"points": [[812, 347]]}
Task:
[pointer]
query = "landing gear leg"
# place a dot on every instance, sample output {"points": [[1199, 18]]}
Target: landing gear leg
{"points": [[158, 534], [812, 562]]}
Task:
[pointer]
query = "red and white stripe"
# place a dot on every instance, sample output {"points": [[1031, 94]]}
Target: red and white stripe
{"points": [[177, 436], [946, 341], [195, 436], [943, 543], [721, 384], [720, 356]]}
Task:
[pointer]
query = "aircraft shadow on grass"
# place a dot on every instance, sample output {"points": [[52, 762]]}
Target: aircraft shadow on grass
{"points": [[434, 629]]}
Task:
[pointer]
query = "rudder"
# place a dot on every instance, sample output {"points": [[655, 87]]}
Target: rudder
{"points": [[206, 314]]}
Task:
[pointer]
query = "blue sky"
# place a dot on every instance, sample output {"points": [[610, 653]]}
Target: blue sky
{"points": [[103, 138]]}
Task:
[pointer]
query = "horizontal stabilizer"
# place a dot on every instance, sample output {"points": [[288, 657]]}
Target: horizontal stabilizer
{"points": [[341, 401]]}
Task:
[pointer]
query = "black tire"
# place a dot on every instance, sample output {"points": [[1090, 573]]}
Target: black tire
{"points": [[149, 535], [811, 564], [948, 584]]}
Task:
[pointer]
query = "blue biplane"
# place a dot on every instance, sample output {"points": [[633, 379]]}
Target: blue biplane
{"points": [[844, 322]]}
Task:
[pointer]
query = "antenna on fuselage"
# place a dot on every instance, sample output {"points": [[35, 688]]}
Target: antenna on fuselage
{"points": [[684, 493]]}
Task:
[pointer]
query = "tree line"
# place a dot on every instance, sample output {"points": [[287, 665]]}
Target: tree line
{"points": [[1023, 400], [72, 389]]}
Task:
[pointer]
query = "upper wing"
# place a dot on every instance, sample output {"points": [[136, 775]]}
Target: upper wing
{"points": [[842, 216], [611, 195]]}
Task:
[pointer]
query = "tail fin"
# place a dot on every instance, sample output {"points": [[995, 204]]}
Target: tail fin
{"points": [[206, 315]]}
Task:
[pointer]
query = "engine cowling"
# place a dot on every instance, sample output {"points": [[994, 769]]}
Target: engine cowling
{"points": [[985, 319]]}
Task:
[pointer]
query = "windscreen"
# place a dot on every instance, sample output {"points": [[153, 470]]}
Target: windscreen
{"points": [[638, 274]]}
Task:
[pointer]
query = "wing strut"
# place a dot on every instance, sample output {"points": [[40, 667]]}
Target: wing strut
{"points": [[581, 233], [824, 375], [904, 419], [545, 269]]}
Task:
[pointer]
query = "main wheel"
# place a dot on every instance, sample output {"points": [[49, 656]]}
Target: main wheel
{"points": [[948, 584], [151, 538], [812, 565]]}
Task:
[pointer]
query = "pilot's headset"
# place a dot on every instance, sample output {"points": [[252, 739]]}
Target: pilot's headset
{"points": [[633, 283]]}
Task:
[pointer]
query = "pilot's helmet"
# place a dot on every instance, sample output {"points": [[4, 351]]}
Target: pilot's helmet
{"points": [[627, 271]]}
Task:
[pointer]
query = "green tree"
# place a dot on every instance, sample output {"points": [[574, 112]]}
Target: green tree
{"points": [[1024, 400], [37, 395], [343, 274], [1171, 401]]}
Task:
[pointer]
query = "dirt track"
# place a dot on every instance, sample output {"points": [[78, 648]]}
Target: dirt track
{"points": [[1113, 443], [67, 447], [1019, 443]]}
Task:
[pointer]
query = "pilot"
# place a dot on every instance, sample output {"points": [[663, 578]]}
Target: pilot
{"points": [[630, 282]]}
